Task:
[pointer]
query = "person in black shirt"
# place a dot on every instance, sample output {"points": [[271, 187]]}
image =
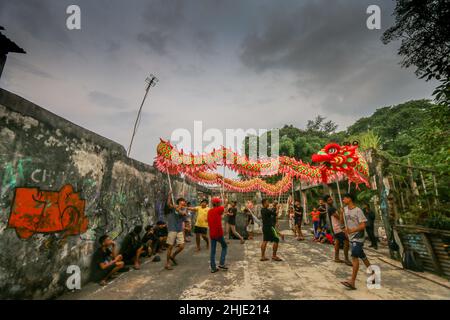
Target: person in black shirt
{"points": [[106, 261], [323, 213], [161, 233], [150, 241], [298, 219], [370, 225], [270, 234], [132, 248], [232, 212]]}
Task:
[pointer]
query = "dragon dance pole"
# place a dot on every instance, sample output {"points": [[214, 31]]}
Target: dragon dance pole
{"points": [[170, 187], [340, 200]]}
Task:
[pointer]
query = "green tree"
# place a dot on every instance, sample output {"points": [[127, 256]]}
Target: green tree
{"points": [[423, 26]]}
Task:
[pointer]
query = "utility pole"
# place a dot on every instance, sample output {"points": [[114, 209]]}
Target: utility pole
{"points": [[151, 82]]}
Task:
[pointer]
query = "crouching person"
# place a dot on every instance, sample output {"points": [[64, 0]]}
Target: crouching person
{"points": [[132, 248], [106, 261]]}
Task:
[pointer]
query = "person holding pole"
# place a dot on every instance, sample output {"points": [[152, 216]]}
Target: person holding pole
{"points": [[175, 237], [270, 234], [354, 229], [337, 225]]}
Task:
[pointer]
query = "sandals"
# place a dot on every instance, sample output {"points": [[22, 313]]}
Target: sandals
{"points": [[173, 261], [338, 261], [264, 259], [348, 285], [277, 259], [348, 263], [168, 267]]}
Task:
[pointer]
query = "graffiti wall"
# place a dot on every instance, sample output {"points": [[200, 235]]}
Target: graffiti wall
{"points": [[61, 187]]}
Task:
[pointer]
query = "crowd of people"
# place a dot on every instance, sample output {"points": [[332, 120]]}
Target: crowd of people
{"points": [[344, 228]]}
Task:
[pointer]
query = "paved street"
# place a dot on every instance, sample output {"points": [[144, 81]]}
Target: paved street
{"points": [[307, 272]]}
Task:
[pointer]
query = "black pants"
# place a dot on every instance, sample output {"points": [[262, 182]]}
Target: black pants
{"points": [[371, 233]]}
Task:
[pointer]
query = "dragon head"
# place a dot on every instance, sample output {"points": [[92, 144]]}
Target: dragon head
{"points": [[342, 158]]}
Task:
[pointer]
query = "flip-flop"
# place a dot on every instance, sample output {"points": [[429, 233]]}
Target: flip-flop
{"points": [[348, 263], [348, 285], [174, 261], [264, 259], [277, 259], [339, 261], [168, 268]]}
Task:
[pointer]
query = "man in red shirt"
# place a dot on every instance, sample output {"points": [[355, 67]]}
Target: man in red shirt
{"points": [[216, 234]]}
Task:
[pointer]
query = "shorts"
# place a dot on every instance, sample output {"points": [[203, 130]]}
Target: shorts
{"points": [[340, 237], [250, 228], [200, 230], [175, 237], [270, 234], [357, 250]]}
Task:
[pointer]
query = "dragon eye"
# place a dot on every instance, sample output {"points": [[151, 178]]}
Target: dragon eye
{"points": [[332, 150]]}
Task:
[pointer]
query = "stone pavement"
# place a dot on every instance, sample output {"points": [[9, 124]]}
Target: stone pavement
{"points": [[307, 272]]}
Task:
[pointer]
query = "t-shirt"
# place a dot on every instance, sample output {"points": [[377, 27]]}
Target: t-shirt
{"points": [[315, 215], [335, 221], [100, 256], [175, 221], [269, 217], [202, 217], [161, 232], [323, 210], [215, 222], [130, 244], [232, 216], [353, 218], [298, 214]]}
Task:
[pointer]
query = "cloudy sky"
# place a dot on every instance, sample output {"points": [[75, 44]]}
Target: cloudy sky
{"points": [[229, 63]]}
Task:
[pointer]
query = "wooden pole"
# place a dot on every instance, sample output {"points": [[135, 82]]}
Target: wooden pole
{"points": [[170, 187]]}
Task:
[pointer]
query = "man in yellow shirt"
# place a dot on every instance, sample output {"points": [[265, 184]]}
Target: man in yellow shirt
{"points": [[201, 223]]}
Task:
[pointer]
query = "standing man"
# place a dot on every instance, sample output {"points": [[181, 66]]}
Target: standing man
{"points": [[201, 223], [337, 224], [269, 218], [175, 221], [370, 226], [216, 234], [298, 219], [356, 224], [232, 212]]}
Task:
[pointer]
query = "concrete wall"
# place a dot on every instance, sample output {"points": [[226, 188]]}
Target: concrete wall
{"points": [[41, 150]]}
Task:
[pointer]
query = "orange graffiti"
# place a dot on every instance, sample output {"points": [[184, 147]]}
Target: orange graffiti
{"points": [[35, 211]]}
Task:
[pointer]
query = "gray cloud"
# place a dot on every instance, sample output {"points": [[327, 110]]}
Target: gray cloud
{"points": [[106, 100], [332, 54], [230, 63], [38, 18]]}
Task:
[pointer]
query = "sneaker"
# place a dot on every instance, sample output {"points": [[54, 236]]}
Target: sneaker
{"points": [[214, 270], [223, 267]]}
